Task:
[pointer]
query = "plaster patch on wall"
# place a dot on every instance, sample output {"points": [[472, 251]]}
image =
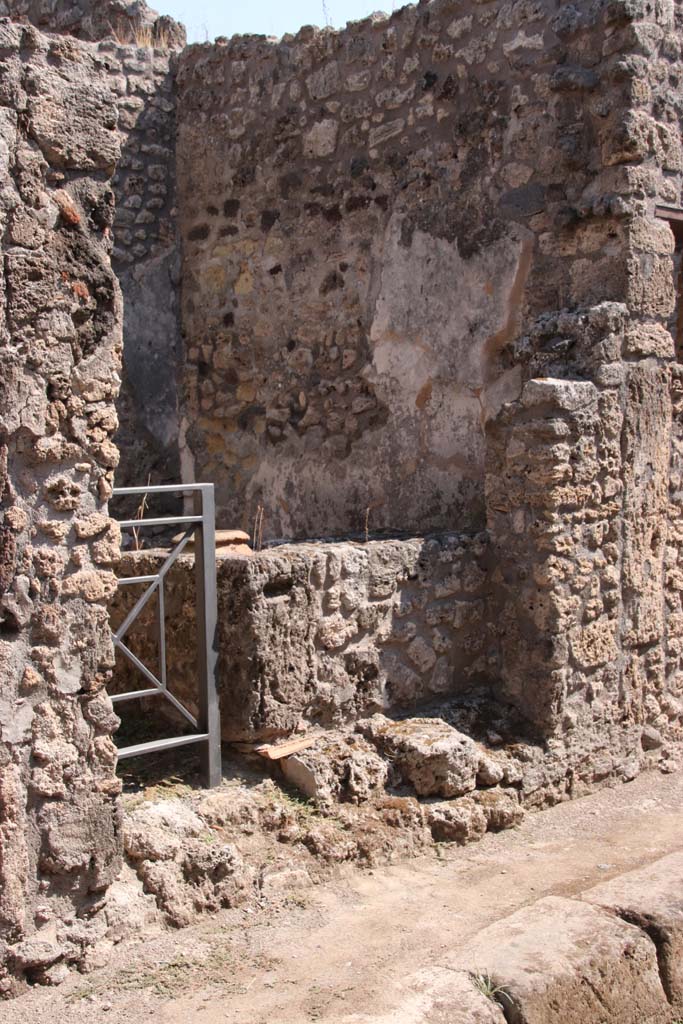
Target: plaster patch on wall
{"points": [[439, 322]]}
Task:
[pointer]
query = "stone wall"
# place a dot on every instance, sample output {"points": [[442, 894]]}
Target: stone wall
{"points": [[137, 48], [424, 289], [126, 20], [582, 494], [365, 217], [146, 261], [324, 634], [423, 280], [60, 348]]}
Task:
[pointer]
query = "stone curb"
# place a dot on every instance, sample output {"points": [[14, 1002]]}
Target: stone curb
{"points": [[652, 899], [611, 955], [562, 961]]}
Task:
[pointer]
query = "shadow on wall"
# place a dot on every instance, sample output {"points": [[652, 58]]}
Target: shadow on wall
{"points": [[147, 263]]}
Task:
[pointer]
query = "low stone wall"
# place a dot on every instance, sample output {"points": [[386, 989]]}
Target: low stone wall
{"points": [[326, 633]]}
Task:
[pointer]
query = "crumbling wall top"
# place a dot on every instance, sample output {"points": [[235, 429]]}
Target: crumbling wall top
{"points": [[126, 21]]}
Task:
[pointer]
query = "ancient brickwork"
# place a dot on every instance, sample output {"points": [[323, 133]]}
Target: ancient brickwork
{"points": [[325, 634], [579, 481], [60, 347], [146, 261], [365, 216]]}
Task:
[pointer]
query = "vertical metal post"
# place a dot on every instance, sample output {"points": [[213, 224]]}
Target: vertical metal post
{"points": [[208, 719], [161, 629]]}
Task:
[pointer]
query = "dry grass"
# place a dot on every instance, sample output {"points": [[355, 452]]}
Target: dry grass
{"points": [[258, 528], [142, 36], [140, 514]]}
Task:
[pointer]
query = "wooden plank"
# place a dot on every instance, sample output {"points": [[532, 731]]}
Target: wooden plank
{"points": [[274, 752], [674, 215], [669, 212]]}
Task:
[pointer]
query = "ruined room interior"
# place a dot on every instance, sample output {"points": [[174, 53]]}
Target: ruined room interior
{"points": [[408, 295]]}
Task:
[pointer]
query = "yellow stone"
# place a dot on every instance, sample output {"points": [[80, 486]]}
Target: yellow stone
{"points": [[245, 282]]}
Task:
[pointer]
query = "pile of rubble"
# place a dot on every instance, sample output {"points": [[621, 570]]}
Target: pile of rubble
{"points": [[368, 794]]}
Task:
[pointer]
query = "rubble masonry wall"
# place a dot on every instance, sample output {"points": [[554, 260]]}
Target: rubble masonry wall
{"points": [[583, 477], [60, 350], [365, 218], [325, 634]]}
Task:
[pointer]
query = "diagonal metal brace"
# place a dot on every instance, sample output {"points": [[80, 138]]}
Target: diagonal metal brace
{"points": [[151, 590]]}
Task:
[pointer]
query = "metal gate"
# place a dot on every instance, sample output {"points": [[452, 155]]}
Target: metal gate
{"points": [[207, 724]]}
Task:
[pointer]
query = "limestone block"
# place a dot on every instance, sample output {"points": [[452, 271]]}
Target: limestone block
{"points": [[501, 808], [563, 962], [456, 821], [167, 842], [649, 340], [321, 140], [347, 769], [439, 995], [430, 755], [325, 81], [652, 899], [569, 395]]}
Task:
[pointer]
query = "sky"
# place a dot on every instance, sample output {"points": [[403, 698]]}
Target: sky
{"points": [[206, 19]]}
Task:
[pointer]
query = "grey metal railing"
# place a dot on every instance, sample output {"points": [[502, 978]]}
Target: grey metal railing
{"points": [[207, 723]]}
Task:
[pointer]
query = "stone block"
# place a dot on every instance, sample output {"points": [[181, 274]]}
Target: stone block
{"points": [[652, 899], [569, 395], [335, 770], [438, 995], [429, 755], [561, 961]]}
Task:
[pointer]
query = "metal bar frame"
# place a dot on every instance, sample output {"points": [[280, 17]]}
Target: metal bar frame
{"points": [[202, 523]]}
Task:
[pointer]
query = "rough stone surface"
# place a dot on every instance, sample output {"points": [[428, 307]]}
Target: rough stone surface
{"points": [[350, 276], [448, 997], [60, 347], [652, 899], [562, 962], [336, 770], [456, 821], [124, 20], [326, 633], [179, 863], [429, 754]]}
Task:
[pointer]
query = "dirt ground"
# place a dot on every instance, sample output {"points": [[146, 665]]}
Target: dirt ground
{"points": [[365, 948]]}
